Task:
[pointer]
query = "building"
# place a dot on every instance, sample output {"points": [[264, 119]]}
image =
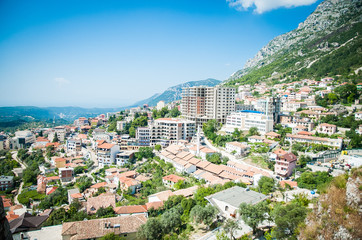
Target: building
{"points": [[271, 106], [123, 157], [160, 105], [6, 182], [327, 128], [74, 194], [102, 201], [247, 119], [335, 143], [66, 174], [74, 146], [123, 226], [228, 201], [60, 162], [201, 104], [4, 142], [131, 210], [106, 154], [285, 164], [121, 125], [166, 131], [27, 222], [143, 136], [239, 148], [171, 180], [22, 139]]}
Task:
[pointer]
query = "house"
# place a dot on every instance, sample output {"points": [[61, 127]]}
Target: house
{"points": [[124, 157], [272, 135], [256, 139], [171, 179], [66, 174], [74, 194], [285, 164], [238, 148], [358, 115], [335, 143], [104, 200], [60, 162], [299, 128], [327, 128], [6, 182], [27, 222], [123, 226], [154, 205], [106, 154], [276, 154], [50, 190], [41, 184], [131, 210], [229, 200]]}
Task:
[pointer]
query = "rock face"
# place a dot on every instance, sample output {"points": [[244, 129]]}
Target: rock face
{"points": [[4, 224], [329, 17], [353, 194]]}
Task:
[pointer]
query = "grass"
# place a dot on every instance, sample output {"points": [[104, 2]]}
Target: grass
{"points": [[257, 161]]}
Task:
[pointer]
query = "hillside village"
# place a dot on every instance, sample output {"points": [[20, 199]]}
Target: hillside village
{"points": [[185, 168]]}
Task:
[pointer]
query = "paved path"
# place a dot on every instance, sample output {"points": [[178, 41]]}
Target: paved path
{"points": [[23, 166]]}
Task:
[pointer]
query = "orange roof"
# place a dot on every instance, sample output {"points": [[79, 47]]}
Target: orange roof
{"points": [[106, 146], [60, 160], [173, 178], [76, 195], [82, 136], [55, 144], [42, 139], [98, 185], [51, 190], [279, 151], [154, 205], [100, 142], [52, 178], [11, 217], [305, 133], [130, 209], [293, 184]]}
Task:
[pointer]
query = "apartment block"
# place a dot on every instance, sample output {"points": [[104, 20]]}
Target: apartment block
{"points": [[201, 104], [74, 145], [166, 131], [106, 154], [6, 182], [143, 136], [247, 119]]}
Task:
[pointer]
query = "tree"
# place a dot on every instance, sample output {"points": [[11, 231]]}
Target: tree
{"points": [[144, 152], [105, 212], [151, 230], [55, 139], [230, 226], [266, 185], [158, 147], [175, 112], [205, 215], [171, 220], [287, 218], [253, 131], [253, 215]]}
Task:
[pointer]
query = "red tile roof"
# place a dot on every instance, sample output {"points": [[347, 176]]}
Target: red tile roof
{"points": [[173, 178], [130, 209]]}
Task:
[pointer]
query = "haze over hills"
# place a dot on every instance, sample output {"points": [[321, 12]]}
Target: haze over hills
{"points": [[328, 42], [174, 93]]}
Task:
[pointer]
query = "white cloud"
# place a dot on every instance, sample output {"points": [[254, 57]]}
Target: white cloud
{"points": [[261, 6], [61, 81]]}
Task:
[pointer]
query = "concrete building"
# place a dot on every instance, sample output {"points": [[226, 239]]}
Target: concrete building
{"points": [[165, 131], [239, 148], [335, 143], [143, 136], [285, 164], [106, 154], [22, 139], [247, 119], [327, 128], [124, 157], [160, 105], [201, 104], [121, 125], [171, 180], [74, 145], [6, 182], [66, 174]]}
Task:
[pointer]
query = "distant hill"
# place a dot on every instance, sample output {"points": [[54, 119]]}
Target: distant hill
{"points": [[327, 43], [31, 113], [174, 93]]}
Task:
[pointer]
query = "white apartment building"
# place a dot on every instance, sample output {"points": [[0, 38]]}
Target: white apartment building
{"points": [[123, 157], [336, 143], [143, 136], [160, 105], [74, 145], [246, 119], [201, 104], [121, 125], [22, 139], [327, 128], [238, 147], [106, 154], [166, 131]]}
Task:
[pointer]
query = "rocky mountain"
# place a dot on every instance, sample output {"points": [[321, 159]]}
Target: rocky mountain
{"points": [[326, 43], [174, 93]]}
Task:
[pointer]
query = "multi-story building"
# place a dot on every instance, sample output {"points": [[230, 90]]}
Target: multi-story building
{"points": [[4, 142], [6, 182], [247, 119], [160, 105], [271, 106], [82, 121], [335, 143], [22, 139], [293, 121], [123, 157], [285, 164], [327, 128], [66, 174], [106, 154], [74, 145], [238, 148], [201, 104], [143, 136], [166, 131], [121, 125]]}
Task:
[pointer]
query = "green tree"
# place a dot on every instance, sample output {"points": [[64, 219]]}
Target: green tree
{"points": [[266, 185], [151, 230], [253, 215], [158, 147], [105, 212], [230, 226], [175, 112], [55, 139], [171, 220], [253, 131], [287, 218], [112, 236], [204, 215]]}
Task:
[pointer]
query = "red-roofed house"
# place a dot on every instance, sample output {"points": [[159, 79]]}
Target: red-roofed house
{"points": [[50, 190], [131, 210], [293, 184], [170, 180], [327, 128]]}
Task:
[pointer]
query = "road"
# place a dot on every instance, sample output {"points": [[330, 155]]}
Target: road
{"points": [[23, 166]]}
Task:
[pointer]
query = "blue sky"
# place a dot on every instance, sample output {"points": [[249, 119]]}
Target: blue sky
{"points": [[114, 53]]}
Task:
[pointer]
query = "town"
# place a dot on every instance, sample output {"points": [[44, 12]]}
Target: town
{"points": [[221, 163]]}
